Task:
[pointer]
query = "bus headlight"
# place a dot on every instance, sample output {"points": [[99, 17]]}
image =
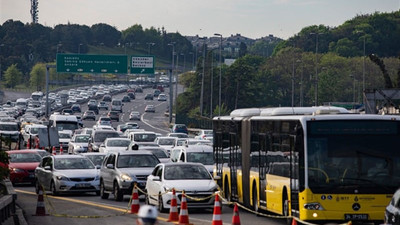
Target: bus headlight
{"points": [[313, 206]]}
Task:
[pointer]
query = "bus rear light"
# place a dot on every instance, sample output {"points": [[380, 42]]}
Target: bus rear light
{"points": [[313, 206]]}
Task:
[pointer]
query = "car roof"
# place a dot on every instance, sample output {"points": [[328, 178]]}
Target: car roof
{"points": [[34, 151], [197, 148], [135, 152], [180, 163]]}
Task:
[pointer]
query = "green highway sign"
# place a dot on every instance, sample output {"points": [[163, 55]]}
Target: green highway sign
{"points": [[142, 65], [81, 63]]}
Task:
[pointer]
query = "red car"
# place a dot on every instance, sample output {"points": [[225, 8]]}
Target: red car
{"points": [[22, 165]]}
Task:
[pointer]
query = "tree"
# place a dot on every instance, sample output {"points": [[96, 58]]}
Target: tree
{"points": [[38, 76], [12, 76]]}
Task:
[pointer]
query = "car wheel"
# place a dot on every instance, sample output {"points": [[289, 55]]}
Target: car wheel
{"points": [[103, 193], [53, 189], [161, 205], [118, 196]]}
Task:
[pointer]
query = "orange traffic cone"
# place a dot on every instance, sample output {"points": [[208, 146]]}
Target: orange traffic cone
{"points": [[183, 216], [28, 144], [217, 220], [135, 201], [61, 150], [235, 217], [173, 211], [54, 152], [294, 221], [40, 209]]}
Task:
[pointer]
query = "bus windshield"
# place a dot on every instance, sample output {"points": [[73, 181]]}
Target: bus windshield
{"points": [[348, 156]]}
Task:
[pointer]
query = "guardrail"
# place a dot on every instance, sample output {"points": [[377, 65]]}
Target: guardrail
{"points": [[7, 201]]}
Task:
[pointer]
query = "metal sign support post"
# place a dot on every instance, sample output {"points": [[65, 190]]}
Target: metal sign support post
{"points": [[47, 88]]}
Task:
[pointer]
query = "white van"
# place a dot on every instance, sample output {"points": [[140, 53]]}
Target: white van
{"points": [[64, 122], [116, 105], [142, 136], [22, 103], [194, 153]]}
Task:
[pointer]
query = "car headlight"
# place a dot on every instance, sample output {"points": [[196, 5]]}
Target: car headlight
{"points": [[126, 177], [60, 177], [16, 170], [167, 189]]}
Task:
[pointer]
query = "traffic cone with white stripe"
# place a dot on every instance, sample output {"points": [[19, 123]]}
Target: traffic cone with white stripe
{"points": [[235, 217], [61, 150], [173, 211], [217, 220], [135, 201], [54, 152], [294, 221], [183, 215], [40, 209]]}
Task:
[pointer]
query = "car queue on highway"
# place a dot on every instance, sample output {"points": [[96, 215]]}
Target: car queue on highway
{"points": [[98, 152]]}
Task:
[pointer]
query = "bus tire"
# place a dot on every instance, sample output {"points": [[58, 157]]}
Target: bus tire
{"points": [[255, 200], [285, 208]]}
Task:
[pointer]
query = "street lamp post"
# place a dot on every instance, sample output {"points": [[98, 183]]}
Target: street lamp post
{"points": [[79, 48], [316, 66], [202, 76], [220, 73], [301, 83], [191, 53], [354, 87], [184, 62], [149, 44], [170, 82]]}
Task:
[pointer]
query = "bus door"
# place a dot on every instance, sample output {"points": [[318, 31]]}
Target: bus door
{"points": [[235, 160], [263, 149], [219, 156]]}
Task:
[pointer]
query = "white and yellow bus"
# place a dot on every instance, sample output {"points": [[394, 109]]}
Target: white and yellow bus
{"points": [[314, 163]]}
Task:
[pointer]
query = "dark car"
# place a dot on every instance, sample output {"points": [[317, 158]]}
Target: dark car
{"points": [[156, 93], [93, 108], [138, 90], [89, 115], [114, 115], [179, 128], [148, 97], [131, 95], [76, 108], [126, 98], [107, 98], [392, 212]]}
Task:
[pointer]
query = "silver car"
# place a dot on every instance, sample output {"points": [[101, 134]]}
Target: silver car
{"points": [[120, 170], [67, 173]]}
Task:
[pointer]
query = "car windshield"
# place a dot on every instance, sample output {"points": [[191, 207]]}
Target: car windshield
{"points": [[166, 141], [64, 135], [205, 158], [144, 137], [128, 161], [186, 172], [24, 157], [158, 152], [100, 137], [9, 127], [96, 159], [118, 143], [82, 139], [72, 163], [64, 125]]}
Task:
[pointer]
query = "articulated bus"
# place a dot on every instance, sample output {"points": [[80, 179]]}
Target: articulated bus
{"points": [[315, 163]]}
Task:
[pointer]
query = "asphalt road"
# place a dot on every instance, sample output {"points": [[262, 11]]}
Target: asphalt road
{"points": [[89, 209]]}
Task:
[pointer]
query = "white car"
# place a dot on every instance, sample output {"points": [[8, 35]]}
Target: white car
{"points": [[114, 144], [67, 173], [78, 144], [205, 135], [191, 177], [162, 97], [134, 115], [166, 142], [150, 108], [64, 137]]}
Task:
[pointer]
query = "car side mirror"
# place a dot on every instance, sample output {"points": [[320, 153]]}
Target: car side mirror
{"points": [[47, 167], [156, 178], [110, 166]]}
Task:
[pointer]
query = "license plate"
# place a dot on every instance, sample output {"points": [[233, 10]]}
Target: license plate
{"points": [[82, 185], [356, 216]]}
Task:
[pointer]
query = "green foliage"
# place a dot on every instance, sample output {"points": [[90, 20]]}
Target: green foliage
{"points": [[38, 76], [12, 76]]}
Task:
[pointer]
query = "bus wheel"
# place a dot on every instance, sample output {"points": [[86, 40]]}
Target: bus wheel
{"points": [[285, 209], [227, 194], [255, 200]]}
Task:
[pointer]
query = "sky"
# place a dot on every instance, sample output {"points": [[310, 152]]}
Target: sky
{"points": [[249, 18]]}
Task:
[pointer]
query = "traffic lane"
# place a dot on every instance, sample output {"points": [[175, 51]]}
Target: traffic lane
{"points": [[195, 216]]}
